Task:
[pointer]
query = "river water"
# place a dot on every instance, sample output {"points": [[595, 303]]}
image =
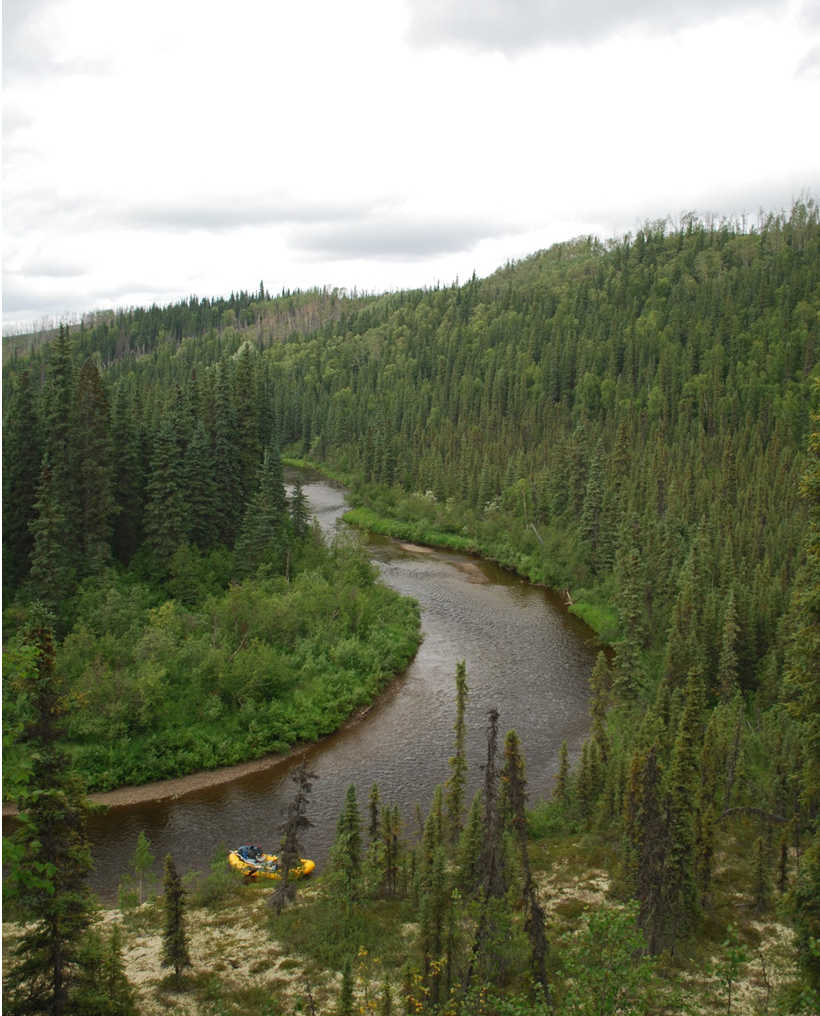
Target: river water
{"points": [[525, 655]]}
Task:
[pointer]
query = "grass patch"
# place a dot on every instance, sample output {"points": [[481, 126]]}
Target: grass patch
{"points": [[325, 932], [602, 619], [414, 532], [548, 819]]}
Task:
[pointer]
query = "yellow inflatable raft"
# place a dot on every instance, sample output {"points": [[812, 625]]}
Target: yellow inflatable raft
{"points": [[254, 863]]}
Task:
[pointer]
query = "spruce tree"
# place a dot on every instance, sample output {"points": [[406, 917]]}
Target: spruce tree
{"points": [[299, 512], [586, 788], [246, 429], [458, 761], [263, 539], [94, 474], [683, 651], [174, 935], [104, 989], [590, 523], [295, 825], [514, 781], [374, 814], [629, 601], [344, 1006], [390, 850], [346, 852], [599, 682], [58, 441], [129, 478], [22, 454], [203, 510], [492, 855], [726, 680], [436, 816], [53, 575], [680, 882], [226, 469], [434, 904], [48, 856], [647, 844], [470, 847], [706, 823], [166, 505], [492, 868], [561, 793], [142, 862]]}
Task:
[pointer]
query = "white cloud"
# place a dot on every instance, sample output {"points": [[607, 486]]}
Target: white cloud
{"points": [[809, 66], [513, 26], [810, 13], [203, 147], [398, 237]]}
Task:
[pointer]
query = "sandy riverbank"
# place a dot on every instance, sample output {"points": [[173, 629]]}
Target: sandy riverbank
{"points": [[165, 790]]}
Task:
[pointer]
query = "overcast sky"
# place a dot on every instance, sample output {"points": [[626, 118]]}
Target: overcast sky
{"points": [[157, 149]]}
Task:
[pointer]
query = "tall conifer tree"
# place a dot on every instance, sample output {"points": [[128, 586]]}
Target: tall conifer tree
{"points": [[647, 838], [22, 455], [166, 507], [53, 574], [226, 468], [94, 470], [346, 853], [295, 826], [299, 512], [50, 857], [454, 803], [174, 936], [264, 538], [514, 781], [129, 478], [680, 889], [201, 489]]}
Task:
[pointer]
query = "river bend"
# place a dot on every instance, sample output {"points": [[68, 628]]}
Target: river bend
{"points": [[525, 656]]}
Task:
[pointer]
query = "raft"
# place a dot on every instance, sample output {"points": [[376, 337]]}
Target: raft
{"points": [[253, 862]]}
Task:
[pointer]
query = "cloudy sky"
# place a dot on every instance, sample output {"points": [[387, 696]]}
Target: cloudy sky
{"points": [[156, 149]]}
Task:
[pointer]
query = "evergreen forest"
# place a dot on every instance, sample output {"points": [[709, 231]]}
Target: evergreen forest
{"points": [[633, 422]]}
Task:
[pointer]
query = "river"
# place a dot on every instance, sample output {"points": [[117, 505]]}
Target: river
{"points": [[525, 655]]}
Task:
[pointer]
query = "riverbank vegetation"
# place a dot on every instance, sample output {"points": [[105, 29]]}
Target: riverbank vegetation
{"points": [[200, 619], [629, 421], [163, 687]]}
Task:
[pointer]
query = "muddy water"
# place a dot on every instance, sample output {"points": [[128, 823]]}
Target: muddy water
{"points": [[525, 656]]}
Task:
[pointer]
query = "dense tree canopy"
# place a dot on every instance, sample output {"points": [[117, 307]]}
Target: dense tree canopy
{"points": [[629, 420]]}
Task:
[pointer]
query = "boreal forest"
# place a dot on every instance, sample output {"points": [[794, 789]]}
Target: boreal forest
{"points": [[632, 422]]}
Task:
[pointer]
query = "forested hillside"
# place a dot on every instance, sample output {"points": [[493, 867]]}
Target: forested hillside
{"points": [[627, 420]]}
